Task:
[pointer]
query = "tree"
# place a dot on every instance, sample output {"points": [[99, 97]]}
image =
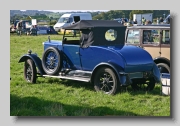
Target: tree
{"points": [[50, 19], [94, 13], [112, 14], [97, 17], [159, 13]]}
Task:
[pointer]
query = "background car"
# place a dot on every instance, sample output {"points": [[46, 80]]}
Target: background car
{"points": [[159, 48], [26, 25], [46, 30], [94, 56]]}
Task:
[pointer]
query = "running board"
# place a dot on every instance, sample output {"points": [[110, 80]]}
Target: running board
{"points": [[70, 78]]}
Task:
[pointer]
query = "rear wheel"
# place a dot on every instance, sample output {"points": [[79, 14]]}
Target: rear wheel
{"points": [[147, 86], [105, 80], [30, 71], [164, 68]]}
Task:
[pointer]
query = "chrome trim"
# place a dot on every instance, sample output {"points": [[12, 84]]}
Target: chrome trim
{"points": [[70, 78], [122, 73], [83, 71]]}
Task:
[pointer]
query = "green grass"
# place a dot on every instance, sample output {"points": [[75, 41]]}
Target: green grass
{"points": [[54, 97]]}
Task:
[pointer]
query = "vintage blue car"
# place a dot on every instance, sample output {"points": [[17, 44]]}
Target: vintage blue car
{"points": [[94, 55]]}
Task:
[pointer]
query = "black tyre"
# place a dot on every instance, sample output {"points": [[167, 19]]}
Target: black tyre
{"points": [[51, 61], [105, 80], [147, 86], [164, 68], [30, 71]]}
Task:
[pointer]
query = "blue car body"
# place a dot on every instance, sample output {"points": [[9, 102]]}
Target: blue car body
{"points": [[76, 61]]}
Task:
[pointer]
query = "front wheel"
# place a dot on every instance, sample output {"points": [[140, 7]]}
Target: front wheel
{"points": [[30, 71], [147, 86], [51, 61], [105, 80]]}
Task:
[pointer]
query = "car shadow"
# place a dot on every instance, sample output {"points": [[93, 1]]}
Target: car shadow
{"points": [[32, 106], [155, 91], [89, 86]]}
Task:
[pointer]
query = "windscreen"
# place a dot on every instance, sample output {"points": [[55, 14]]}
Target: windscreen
{"points": [[65, 20]]}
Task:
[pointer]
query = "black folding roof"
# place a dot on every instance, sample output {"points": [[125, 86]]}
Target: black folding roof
{"points": [[85, 24]]}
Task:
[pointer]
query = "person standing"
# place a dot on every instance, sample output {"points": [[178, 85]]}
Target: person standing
{"points": [[122, 21], [143, 21], [19, 27], [161, 20], [129, 23], [135, 21], [157, 21], [148, 22]]}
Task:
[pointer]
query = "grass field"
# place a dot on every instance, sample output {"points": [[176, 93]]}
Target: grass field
{"points": [[54, 97]]}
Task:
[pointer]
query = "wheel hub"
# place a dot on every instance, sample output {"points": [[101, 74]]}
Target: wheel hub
{"points": [[105, 81], [28, 73], [51, 60]]}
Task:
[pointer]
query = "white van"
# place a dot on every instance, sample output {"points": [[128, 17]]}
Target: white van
{"points": [[67, 19]]}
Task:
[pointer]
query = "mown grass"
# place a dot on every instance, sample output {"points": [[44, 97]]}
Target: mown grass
{"points": [[54, 97]]}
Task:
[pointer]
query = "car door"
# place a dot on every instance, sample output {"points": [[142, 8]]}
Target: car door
{"points": [[165, 44], [72, 56], [151, 41]]}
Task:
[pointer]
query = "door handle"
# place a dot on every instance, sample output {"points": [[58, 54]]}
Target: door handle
{"points": [[77, 52]]}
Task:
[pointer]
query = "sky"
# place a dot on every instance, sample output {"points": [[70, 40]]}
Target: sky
{"points": [[72, 10]]}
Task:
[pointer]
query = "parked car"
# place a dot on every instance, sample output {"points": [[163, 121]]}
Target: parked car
{"points": [[41, 30], [51, 30], [94, 56], [158, 46], [26, 26], [46, 30], [68, 18]]}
